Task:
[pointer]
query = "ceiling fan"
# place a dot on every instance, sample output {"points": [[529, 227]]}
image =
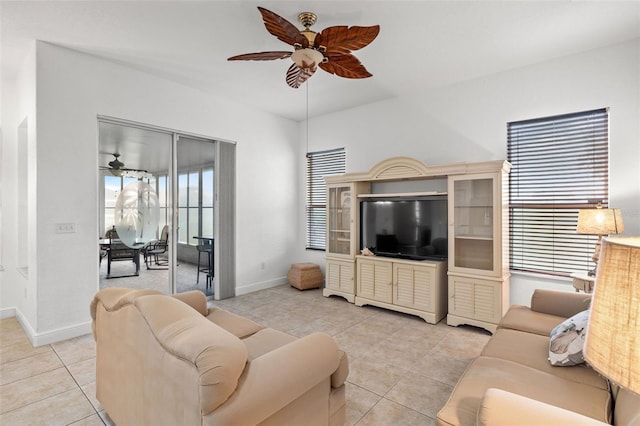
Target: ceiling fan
{"points": [[329, 49], [116, 168]]}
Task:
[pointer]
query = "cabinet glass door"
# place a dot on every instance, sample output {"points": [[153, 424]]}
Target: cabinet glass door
{"points": [[339, 223], [473, 223]]}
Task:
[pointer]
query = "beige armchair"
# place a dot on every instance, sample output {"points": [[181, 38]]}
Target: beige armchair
{"points": [[172, 360]]}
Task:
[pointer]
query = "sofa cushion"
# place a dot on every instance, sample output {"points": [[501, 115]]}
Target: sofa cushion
{"points": [[561, 303], [524, 319], [566, 340], [501, 408], [265, 341], [235, 324], [532, 350], [487, 372], [196, 299]]}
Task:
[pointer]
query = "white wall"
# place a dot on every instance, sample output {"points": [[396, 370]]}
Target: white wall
{"points": [[17, 292], [73, 88], [468, 122]]}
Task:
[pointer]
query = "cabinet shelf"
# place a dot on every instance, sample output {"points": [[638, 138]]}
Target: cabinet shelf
{"points": [[474, 237]]}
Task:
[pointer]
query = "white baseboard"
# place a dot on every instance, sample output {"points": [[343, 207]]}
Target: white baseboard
{"points": [[47, 337], [7, 313], [250, 288], [61, 334]]}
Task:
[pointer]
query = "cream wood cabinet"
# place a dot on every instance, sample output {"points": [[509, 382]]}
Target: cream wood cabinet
{"points": [[478, 248], [342, 238], [339, 279], [476, 290], [479, 302], [374, 280], [413, 287]]}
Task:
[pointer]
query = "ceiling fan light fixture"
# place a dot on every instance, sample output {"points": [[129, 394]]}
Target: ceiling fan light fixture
{"points": [[116, 172], [307, 58]]}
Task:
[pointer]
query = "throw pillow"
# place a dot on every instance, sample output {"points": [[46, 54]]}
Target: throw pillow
{"points": [[567, 340]]}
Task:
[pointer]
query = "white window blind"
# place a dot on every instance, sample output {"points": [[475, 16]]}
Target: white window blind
{"points": [[560, 164], [319, 165]]}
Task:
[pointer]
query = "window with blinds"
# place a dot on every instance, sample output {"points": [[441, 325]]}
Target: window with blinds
{"points": [[559, 165], [319, 165]]}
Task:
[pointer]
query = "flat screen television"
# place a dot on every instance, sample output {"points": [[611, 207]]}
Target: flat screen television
{"points": [[409, 228]]}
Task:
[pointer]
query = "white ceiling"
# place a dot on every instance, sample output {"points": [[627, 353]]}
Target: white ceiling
{"points": [[422, 44]]}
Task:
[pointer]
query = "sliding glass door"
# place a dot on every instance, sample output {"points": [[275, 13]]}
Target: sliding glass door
{"points": [[195, 159], [173, 177], [134, 212]]}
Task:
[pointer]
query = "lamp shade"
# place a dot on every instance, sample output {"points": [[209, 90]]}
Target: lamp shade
{"points": [[600, 221], [612, 344]]}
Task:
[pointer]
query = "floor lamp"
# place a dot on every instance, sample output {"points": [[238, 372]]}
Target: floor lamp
{"points": [[599, 222], [613, 336]]}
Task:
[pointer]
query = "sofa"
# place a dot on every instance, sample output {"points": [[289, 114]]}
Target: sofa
{"points": [[172, 360], [512, 382]]}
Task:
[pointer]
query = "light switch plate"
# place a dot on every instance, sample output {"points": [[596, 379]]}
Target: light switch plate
{"points": [[65, 228]]}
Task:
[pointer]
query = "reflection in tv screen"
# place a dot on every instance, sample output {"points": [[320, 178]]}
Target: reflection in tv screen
{"points": [[410, 228]]}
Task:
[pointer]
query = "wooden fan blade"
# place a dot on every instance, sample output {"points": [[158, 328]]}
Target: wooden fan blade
{"points": [[260, 56], [343, 39], [282, 29], [347, 66], [296, 75]]}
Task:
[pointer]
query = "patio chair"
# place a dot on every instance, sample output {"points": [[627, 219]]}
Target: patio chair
{"points": [[155, 252]]}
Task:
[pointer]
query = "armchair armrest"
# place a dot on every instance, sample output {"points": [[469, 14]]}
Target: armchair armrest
{"points": [[499, 407], [196, 299], [559, 303], [279, 377]]}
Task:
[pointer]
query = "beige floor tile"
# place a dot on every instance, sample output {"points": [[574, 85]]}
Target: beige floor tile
{"points": [[440, 367], [9, 324], [374, 331], [396, 353], [92, 420], [356, 345], [84, 371], [90, 391], [61, 409], [26, 367], [463, 343], [358, 402], [11, 332], [322, 324], [373, 375], [421, 394], [35, 388], [388, 412], [76, 349], [10, 353]]}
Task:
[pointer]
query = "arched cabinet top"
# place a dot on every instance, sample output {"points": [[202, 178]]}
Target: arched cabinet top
{"points": [[398, 167], [407, 168]]}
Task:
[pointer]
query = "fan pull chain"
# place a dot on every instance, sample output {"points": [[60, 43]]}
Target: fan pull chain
{"points": [[307, 116]]}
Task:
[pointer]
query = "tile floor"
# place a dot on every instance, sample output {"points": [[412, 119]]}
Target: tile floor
{"points": [[402, 369]]}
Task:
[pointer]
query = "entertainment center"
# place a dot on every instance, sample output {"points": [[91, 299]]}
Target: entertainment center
{"points": [[436, 239]]}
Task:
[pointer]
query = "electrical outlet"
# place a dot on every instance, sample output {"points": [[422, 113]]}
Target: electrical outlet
{"points": [[65, 228]]}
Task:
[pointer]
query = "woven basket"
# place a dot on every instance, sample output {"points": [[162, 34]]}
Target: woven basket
{"points": [[304, 276]]}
